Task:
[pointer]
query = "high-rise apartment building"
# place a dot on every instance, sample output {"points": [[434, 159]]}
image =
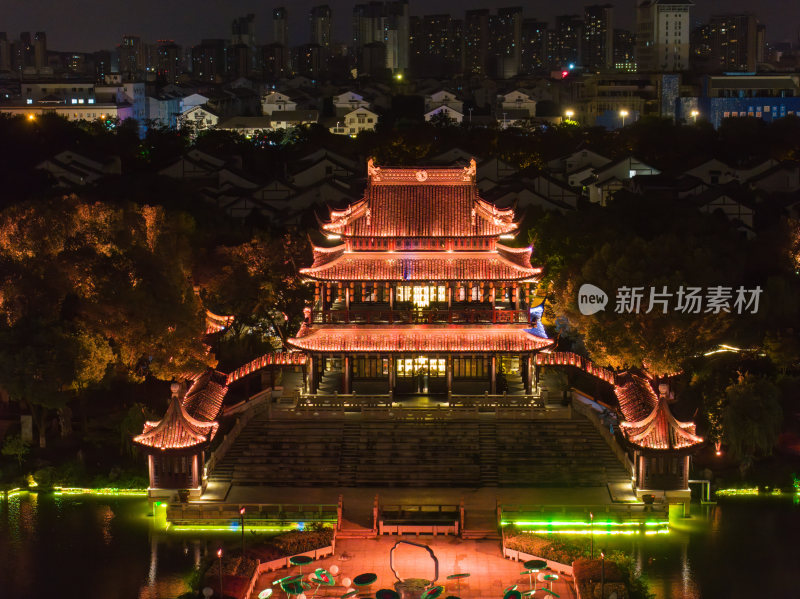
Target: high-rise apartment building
{"points": [[624, 51], [662, 35], [737, 42], [435, 45], [168, 56], [597, 50], [5, 53], [131, 55], [569, 38], [321, 26], [40, 50], [243, 31], [209, 60], [387, 23], [280, 26], [533, 51], [476, 41], [505, 41]]}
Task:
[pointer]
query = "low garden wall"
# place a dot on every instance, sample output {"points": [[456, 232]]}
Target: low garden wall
{"points": [[521, 556]]}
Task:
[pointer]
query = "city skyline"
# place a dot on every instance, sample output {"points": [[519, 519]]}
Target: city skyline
{"points": [[188, 23]]}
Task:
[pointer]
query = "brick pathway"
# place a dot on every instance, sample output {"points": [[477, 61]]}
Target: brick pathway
{"points": [[490, 574]]}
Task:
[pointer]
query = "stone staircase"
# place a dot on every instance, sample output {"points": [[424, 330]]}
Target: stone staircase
{"points": [[487, 436], [361, 452]]}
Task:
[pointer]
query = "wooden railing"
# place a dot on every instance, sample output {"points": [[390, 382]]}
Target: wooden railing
{"points": [[255, 513], [426, 316], [495, 401], [343, 401]]}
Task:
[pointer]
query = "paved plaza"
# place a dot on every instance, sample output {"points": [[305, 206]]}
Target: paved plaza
{"points": [[490, 574]]}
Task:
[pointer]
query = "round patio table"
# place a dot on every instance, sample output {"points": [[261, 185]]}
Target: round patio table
{"points": [[387, 594], [550, 578], [265, 594], [457, 578], [432, 593], [515, 594], [300, 560], [363, 580], [349, 594], [554, 594], [534, 565]]}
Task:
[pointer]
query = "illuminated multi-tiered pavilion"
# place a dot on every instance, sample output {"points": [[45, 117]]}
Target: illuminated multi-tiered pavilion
{"points": [[421, 296], [661, 444]]}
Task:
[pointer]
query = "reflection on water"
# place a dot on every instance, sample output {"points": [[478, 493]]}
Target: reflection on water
{"points": [[103, 548]]}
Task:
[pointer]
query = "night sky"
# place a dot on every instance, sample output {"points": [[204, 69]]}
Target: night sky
{"points": [[87, 25]]}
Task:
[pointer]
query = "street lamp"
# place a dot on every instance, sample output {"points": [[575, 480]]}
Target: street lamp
{"points": [[219, 556], [694, 114], [623, 114], [569, 114], [241, 516]]}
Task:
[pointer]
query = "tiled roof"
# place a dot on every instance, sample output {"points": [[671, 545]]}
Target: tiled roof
{"points": [[421, 202], [649, 423], [176, 430], [422, 266], [204, 398], [418, 338]]}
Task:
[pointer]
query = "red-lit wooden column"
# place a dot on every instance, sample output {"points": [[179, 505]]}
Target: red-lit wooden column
{"points": [[195, 472], [347, 375], [311, 374], [449, 375], [529, 374], [493, 371], [392, 374]]}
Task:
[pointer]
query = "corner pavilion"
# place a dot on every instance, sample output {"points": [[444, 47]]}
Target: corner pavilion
{"points": [[421, 296]]}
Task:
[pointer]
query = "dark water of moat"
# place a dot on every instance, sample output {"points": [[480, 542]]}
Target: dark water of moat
{"points": [[100, 548]]}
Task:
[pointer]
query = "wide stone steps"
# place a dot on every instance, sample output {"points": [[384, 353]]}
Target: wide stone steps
{"points": [[354, 452]]}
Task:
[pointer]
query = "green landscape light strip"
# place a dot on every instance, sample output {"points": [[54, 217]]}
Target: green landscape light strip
{"points": [[234, 527], [596, 524], [583, 531], [103, 491]]}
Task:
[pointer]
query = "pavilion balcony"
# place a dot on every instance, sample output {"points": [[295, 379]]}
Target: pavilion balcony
{"points": [[456, 315]]}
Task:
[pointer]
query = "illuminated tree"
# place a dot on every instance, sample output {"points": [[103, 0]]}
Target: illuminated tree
{"points": [[628, 244], [752, 418]]}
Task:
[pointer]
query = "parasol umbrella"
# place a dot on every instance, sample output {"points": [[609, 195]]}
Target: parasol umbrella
{"points": [[432, 593], [513, 594], [292, 588], [550, 578], [300, 560], [457, 578], [349, 594], [324, 576]]}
